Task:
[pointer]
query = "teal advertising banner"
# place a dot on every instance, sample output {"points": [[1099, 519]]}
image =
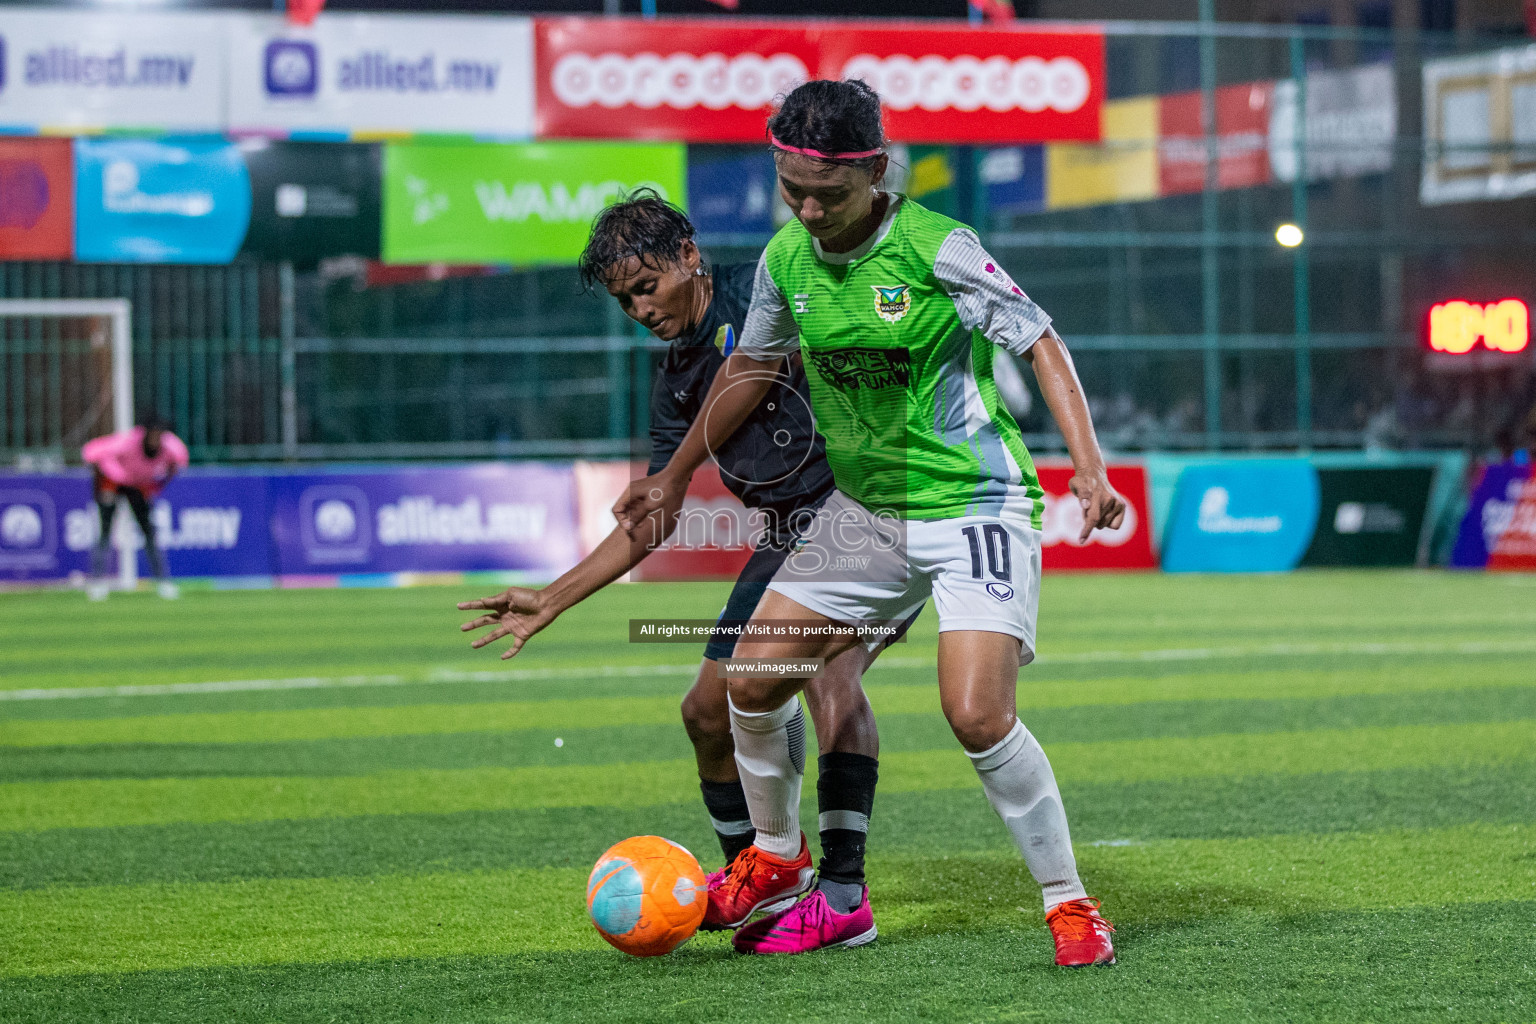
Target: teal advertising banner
{"points": [[520, 204]]}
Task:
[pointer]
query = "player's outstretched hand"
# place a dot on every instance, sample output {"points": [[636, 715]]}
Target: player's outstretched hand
{"points": [[516, 612], [1103, 509], [648, 504]]}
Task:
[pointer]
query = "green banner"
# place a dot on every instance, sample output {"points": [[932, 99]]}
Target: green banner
{"points": [[519, 204]]}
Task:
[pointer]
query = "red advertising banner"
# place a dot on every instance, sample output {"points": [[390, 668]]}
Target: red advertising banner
{"points": [[37, 217], [696, 81], [712, 81], [976, 84], [1129, 547], [1242, 146], [713, 539], [1515, 550]]}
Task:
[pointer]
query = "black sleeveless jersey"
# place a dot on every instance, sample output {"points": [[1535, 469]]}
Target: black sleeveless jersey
{"points": [[775, 460]]}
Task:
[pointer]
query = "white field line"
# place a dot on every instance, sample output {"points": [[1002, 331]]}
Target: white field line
{"points": [[1382, 649]]}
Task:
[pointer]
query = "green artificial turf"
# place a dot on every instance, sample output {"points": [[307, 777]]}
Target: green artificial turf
{"points": [[1302, 798]]}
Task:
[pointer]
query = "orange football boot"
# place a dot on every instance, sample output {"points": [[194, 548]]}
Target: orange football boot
{"points": [[757, 880], [1082, 936]]}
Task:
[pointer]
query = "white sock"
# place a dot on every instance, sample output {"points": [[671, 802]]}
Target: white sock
{"points": [[1022, 789], [770, 754]]}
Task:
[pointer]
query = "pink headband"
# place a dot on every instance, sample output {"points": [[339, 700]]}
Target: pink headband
{"points": [[819, 155]]}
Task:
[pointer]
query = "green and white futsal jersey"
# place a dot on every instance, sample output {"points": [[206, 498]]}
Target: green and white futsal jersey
{"points": [[897, 339]]}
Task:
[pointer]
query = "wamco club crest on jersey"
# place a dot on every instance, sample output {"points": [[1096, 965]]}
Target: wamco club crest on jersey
{"points": [[892, 303]]}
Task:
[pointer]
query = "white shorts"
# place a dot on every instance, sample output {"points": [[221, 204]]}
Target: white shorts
{"points": [[983, 572]]}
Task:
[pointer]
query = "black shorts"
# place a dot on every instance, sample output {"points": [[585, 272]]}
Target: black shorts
{"points": [[750, 587]]}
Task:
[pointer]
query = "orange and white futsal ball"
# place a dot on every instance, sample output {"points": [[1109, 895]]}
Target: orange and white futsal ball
{"points": [[646, 895]]}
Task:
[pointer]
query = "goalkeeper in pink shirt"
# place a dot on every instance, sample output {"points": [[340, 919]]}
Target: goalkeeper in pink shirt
{"points": [[134, 465]]}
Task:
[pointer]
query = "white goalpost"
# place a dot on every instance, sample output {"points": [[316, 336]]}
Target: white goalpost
{"points": [[116, 315]]}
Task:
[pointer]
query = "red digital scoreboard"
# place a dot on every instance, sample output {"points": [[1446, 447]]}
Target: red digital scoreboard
{"points": [[1458, 327]]}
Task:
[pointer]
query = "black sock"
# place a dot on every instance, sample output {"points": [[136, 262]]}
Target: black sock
{"points": [[727, 806], [845, 793]]}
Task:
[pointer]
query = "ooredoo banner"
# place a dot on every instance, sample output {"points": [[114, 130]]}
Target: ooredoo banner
{"points": [[1129, 547], [713, 81], [369, 73], [208, 524], [973, 85], [518, 517], [699, 81]]}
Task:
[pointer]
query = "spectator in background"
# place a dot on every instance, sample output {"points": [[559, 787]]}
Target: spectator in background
{"points": [[136, 465]]}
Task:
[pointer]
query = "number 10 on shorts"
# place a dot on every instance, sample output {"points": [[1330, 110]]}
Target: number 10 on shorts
{"points": [[999, 559]]}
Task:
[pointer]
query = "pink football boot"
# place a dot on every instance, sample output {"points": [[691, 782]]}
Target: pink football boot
{"points": [[809, 924]]}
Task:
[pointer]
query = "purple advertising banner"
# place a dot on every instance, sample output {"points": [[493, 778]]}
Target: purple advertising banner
{"points": [[208, 524], [518, 517], [1489, 512]]}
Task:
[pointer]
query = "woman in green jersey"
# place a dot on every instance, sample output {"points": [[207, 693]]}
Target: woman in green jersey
{"points": [[897, 312]]}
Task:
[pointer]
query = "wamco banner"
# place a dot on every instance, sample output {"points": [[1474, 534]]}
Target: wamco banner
{"points": [[519, 204]]}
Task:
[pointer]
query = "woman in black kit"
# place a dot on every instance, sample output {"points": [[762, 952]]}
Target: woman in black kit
{"points": [[642, 251]]}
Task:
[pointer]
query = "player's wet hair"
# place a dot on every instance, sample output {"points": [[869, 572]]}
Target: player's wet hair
{"points": [[641, 226], [830, 118]]}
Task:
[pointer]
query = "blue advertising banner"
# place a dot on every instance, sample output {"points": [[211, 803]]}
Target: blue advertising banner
{"points": [[1489, 513], [160, 200], [519, 517], [733, 194], [1254, 515], [1014, 179], [208, 524]]}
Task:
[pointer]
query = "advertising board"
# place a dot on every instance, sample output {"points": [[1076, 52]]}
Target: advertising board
{"points": [[89, 71], [1370, 516], [1480, 126], [523, 204], [208, 524], [1491, 508], [1515, 549], [1123, 168], [1350, 124], [714, 535], [1129, 547], [498, 516], [973, 85], [734, 193], [311, 200], [167, 200], [373, 74], [1250, 515], [1242, 138], [37, 188], [715, 81]]}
